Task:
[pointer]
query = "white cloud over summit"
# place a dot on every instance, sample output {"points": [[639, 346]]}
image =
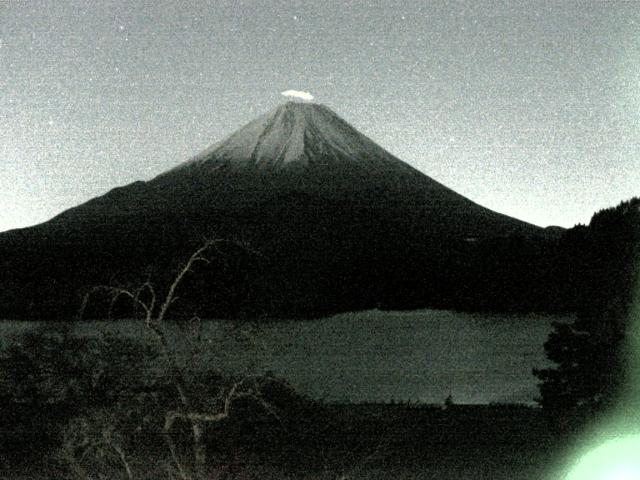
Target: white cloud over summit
{"points": [[298, 94]]}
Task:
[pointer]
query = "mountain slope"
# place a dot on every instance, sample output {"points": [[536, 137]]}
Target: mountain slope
{"points": [[337, 221], [296, 148], [297, 135]]}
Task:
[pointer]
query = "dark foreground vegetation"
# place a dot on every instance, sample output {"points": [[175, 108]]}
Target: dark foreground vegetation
{"points": [[81, 408], [594, 352], [322, 442]]}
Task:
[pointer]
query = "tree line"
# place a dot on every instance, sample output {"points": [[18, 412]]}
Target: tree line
{"points": [[592, 354]]}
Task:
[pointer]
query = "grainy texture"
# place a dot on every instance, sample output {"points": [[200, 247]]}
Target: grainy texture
{"points": [[529, 108]]}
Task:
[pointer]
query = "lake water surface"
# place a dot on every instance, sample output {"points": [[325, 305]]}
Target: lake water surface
{"points": [[370, 356]]}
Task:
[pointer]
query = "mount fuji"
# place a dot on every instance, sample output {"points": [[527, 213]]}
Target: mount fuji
{"points": [[336, 222]]}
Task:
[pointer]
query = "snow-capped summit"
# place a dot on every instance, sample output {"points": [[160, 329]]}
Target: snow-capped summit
{"points": [[296, 134]]}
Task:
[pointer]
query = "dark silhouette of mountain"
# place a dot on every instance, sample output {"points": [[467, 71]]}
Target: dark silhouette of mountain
{"points": [[334, 222]]}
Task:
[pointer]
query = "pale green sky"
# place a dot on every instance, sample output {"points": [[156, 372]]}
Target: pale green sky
{"points": [[529, 108]]}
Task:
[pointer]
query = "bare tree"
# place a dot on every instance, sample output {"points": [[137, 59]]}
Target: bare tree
{"points": [[94, 435], [155, 310]]}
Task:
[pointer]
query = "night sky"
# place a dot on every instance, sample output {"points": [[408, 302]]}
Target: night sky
{"points": [[529, 108]]}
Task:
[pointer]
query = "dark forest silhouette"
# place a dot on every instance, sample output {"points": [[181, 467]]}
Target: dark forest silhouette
{"points": [[312, 273], [591, 353]]}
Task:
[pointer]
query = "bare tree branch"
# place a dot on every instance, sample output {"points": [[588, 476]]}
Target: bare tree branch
{"points": [[196, 257], [145, 298]]}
